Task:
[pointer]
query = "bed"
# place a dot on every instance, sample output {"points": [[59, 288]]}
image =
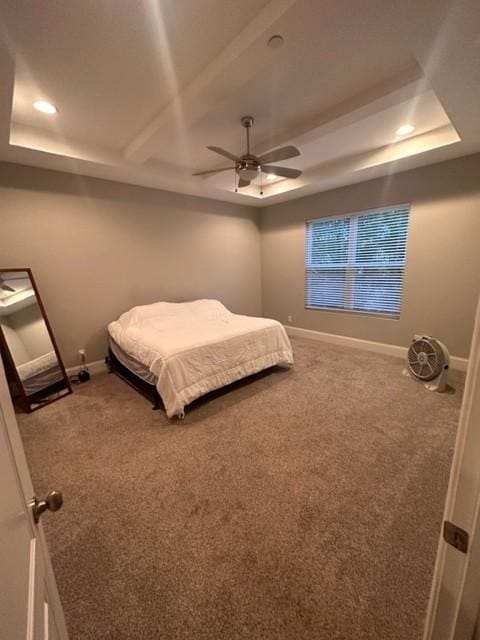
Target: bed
{"points": [[184, 350], [40, 374]]}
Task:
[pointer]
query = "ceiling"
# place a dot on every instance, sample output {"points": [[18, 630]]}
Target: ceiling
{"points": [[143, 87], [22, 295]]}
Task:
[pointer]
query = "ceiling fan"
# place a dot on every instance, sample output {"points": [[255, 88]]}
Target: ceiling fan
{"points": [[249, 166], [5, 287], [8, 280]]}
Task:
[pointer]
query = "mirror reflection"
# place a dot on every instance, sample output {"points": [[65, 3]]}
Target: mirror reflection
{"points": [[35, 372]]}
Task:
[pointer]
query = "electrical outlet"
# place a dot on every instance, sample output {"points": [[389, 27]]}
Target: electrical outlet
{"points": [[289, 319]]}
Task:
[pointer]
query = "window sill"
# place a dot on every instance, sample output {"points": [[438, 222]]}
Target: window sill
{"points": [[368, 314]]}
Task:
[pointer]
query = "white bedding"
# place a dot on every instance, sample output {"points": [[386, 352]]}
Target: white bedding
{"points": [[195, 347], [37, 365]]}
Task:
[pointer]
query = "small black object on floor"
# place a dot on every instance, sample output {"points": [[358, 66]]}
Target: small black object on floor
{"points": [[82, 376]]}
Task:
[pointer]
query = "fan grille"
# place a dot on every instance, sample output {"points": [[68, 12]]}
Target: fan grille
{"points": [[425, 359]]}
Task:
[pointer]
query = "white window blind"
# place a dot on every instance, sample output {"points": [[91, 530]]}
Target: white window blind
{"points": [[356, 262]]}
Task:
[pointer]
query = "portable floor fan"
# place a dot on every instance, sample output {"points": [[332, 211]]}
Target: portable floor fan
{"points": [[428, 361]]}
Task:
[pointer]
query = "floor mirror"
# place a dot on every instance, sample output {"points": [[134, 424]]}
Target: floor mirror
{"points": [[35, 371]]}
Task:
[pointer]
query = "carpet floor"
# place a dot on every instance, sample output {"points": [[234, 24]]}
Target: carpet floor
{"points": [[301, 504]]}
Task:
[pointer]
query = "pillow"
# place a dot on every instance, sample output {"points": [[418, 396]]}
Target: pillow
{"points": [[205, 308]]}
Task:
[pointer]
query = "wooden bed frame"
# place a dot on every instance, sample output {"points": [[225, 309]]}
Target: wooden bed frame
{"points": [[145, 388]]}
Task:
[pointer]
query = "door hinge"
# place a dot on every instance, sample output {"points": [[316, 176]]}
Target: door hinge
{"points": [[455, 536]]}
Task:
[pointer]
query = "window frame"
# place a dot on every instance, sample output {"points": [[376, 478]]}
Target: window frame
{"points": [[350, 267]]}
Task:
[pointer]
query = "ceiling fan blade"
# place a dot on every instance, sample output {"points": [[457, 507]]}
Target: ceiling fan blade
{"points": [[204, 173], [243, 183], [227, 154], [279, 154], [5, 287], [284, 172]]}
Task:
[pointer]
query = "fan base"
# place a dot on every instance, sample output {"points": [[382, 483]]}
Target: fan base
{"points": [[439, 384]]}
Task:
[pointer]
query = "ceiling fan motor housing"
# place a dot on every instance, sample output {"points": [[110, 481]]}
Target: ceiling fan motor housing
{"points": [[248, 167]]}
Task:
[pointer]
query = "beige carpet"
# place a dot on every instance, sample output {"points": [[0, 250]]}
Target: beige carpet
{"points": [[304, 504]]}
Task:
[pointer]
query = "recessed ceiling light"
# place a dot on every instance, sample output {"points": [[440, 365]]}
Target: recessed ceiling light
{"points": [[45, 107], [405, 129]]}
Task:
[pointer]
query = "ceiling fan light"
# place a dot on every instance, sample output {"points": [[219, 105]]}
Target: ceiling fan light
{"points": [[248, 174]]}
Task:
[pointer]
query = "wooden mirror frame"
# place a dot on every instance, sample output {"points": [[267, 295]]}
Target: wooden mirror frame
{"points": [[20, 398]]}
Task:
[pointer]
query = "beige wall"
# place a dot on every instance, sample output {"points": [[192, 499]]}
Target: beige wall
{"points": [[15, 345], [442, 278], [97, 248]]}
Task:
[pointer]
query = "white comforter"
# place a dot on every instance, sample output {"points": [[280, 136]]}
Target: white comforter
{"points": [[195, 347], [38, 365]]}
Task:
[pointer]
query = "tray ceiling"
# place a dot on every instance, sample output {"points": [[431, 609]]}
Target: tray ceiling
{"points": [[143, 87]]}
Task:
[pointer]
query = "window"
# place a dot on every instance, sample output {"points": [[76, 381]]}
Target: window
{"points": [[356, 262]]}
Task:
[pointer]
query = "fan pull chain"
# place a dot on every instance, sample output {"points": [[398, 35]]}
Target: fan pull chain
{"points": [[261, 182], [235, 181]]}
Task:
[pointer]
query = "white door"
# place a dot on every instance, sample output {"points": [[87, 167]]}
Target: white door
{"points": [[455, 595], [29, 605]]}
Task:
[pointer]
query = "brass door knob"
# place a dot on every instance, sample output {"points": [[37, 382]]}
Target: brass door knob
{"points": [[52, 502]]}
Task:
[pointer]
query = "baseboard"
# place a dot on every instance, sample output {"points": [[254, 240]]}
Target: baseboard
{"points": [[460, 364], [98, 366], [456, 362]]}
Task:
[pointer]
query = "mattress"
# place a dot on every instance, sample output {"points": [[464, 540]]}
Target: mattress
{"points": [[133, 365], [42, 380], [194, 347], [40, 373], [37, 365]]}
